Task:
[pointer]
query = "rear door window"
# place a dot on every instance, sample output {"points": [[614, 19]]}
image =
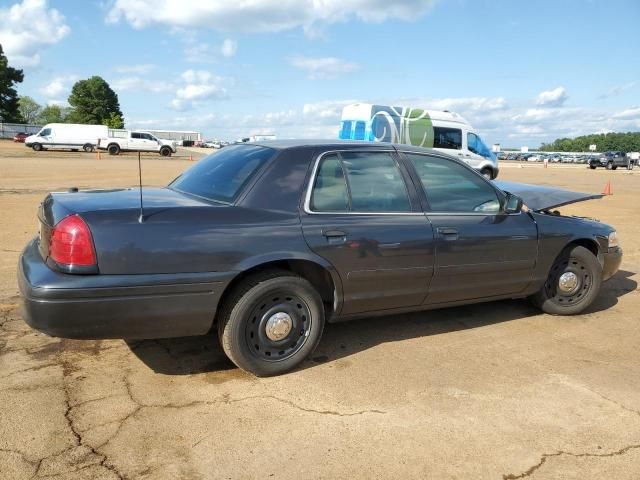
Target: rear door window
{"points": [[447, 138], [359, 182]]}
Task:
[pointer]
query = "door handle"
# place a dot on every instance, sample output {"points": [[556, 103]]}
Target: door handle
{"points": [[447, 233], [335, 236]]}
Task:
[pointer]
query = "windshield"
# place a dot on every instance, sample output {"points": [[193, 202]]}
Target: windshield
{"points": [[476, 145], [221, 176]]}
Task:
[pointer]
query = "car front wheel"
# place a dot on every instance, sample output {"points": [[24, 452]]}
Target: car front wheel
{"points": [[271, 323], [573, 283]]}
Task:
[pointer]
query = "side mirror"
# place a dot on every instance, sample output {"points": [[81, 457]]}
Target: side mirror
{"points": [[513, 204]]}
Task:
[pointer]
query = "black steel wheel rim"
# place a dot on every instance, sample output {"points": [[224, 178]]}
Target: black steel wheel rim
{"points": [[575, 295], [274, 303]]}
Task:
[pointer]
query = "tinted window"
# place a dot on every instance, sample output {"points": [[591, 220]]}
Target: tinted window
{"points": [[375, 182], [451, 187], [447, 138], [222, 175], [135, 135], [345, 133], [359, 131], [330, 188]]}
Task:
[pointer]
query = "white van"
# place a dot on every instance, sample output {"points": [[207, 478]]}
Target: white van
{"points": [[70, 136], [440, 130]]}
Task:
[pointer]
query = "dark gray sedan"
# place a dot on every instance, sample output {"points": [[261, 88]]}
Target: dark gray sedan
{"points": [[266, 242]]}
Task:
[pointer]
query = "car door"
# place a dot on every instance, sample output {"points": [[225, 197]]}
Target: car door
{"points": [[135, 142], [362, 215], [148, 142], [481, 251]]}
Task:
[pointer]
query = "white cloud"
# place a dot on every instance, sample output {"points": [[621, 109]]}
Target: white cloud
{"points": [[198, 86], [199, 53], [628, 114], [618, 90], [261, 15], [229, 48], [136, 83], [26, 28], [59, 86], [140, 69], [327, 112], [552, 98], [323, 68]]}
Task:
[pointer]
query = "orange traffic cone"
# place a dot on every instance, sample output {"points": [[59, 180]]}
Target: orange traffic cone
{"points": [[97, 154], [607, 189], [190, 158]]}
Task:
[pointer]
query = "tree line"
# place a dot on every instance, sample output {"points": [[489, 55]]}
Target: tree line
{"points": [[626, 142], [92, 101]]}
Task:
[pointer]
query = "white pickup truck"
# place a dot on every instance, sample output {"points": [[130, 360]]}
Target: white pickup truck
{"points": [[134, 141]]}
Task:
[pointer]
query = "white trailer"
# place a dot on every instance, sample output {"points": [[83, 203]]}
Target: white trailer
{"points": [[68, 136]]}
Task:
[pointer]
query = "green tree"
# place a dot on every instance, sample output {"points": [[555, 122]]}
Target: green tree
{"points": [[624, 141], [29, 109], [9, 111], [93, 102], [53, 114], [114, 121]]}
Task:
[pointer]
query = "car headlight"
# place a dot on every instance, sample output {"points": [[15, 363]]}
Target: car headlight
{"points": [[613, 240]]}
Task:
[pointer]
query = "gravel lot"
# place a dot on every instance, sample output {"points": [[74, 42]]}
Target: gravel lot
{"points": [[488, 391]]}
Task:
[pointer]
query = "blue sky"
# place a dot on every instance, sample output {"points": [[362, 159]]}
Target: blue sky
{"points": [[521, 72]]}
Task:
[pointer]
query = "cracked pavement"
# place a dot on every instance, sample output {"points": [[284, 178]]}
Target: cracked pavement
{"points": [[486, 391]]}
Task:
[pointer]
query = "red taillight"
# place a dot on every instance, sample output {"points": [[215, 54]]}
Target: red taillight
{"points": [[71, 242]]}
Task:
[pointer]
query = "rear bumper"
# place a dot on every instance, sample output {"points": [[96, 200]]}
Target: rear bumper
{"points": [[116, 306], [611, 262]]}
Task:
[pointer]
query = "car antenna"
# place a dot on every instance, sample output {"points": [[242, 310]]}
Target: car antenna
{"points": [[141, 217]]}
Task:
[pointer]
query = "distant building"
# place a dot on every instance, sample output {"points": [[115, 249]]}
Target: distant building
{"points": [[177, 135]]}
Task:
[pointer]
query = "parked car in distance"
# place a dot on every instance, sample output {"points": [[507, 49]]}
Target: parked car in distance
{"points": [[352, 230], [20, 137], [611, 160], [133, 141], [66, 136]]}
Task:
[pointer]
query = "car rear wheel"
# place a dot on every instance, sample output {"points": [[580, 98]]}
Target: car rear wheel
{"points": [[87, 147], [165, 151], [573, 283], [271, 323], [37, 147], [592, 167], [113, 149]]}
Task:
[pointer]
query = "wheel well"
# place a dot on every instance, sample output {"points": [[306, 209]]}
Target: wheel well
{"points": [[315, 274], [590, 245]]}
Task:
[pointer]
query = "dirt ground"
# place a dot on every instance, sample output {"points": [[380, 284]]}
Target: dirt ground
{"points": [[491, 391]]}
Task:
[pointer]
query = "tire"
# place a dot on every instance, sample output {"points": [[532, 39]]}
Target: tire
{"points": [[113, 149], [37, 147], [615, 167], [588, 272], [609, 166], [165, 151], [243, 319], [592, 167], [87, 147], [487, 173]]}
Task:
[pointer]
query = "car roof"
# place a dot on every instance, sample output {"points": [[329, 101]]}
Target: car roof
{"points": [[339, 144]]}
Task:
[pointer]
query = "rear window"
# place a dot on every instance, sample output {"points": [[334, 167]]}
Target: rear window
{"points": [[222, 175]]}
